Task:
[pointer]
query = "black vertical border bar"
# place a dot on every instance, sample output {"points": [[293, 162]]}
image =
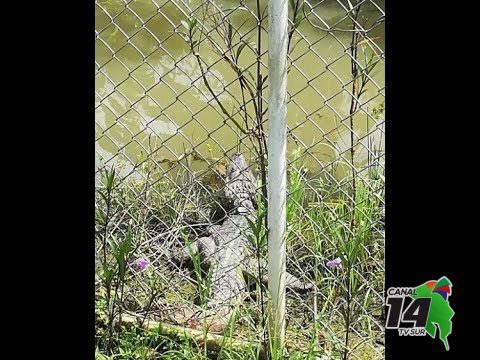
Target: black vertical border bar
{"points": [[428, 137], [70, 168], [53, 70]]}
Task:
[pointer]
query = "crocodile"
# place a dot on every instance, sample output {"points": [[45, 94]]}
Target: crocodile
{"points": [[227, 251]]}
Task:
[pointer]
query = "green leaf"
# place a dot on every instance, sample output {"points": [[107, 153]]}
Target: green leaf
{"points": [[354, 251], [362, 92], [292, 4], [248, 72], [108, 275], [261, 216], [113, 247], [297, 21], [253, 227], [343, 311], [127, 243], [354, 288], [110, 175], [230, 31], [370, 67], [185, 24], [240, 48], [121, 260], [104, 197], [99, 217]]}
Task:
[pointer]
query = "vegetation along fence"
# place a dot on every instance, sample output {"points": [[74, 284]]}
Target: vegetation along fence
{"points": [[182, 173]]}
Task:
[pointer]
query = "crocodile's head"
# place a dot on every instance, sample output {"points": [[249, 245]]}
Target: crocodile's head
{"points": [[237, 165]]}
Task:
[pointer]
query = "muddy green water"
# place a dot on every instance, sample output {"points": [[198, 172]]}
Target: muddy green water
{"points": [[149, 95]]}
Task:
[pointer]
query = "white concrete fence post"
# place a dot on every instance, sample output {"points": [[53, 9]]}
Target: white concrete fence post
{"points": [[277, 165]]}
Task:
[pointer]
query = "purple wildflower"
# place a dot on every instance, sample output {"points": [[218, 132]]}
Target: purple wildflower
{"points": [[334, 263], [142, 263]]}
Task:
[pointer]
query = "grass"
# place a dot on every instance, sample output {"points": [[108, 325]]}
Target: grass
{"points": [[158, 213]]}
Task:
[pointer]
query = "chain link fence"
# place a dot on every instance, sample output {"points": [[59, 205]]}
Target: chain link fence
{"points": [[181, 86]]}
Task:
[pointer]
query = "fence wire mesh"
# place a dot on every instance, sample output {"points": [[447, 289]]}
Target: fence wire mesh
{"points": [[180, 87]]}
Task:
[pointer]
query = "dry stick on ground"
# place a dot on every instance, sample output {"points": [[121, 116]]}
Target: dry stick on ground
{"points": [[213, 342]]}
